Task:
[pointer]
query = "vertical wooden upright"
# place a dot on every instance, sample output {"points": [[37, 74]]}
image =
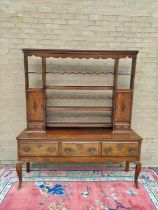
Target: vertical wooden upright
{"points": [[133, 70], [44, 91], [123, 103], [115, 81], [35, 100]]}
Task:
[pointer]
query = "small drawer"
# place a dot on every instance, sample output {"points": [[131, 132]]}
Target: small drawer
{"points": [[38, 149], [119, 149], [80, 149], [122, 127]]}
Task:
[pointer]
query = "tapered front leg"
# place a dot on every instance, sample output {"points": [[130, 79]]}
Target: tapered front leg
{"points": [[19, 173], [27, 167], [127, 166], [137, 172]]}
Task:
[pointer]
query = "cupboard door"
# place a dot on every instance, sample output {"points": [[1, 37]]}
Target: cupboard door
{"points": [[35, 110], [123, 109], [35, 105]]}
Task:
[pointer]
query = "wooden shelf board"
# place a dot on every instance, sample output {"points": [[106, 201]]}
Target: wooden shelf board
{"points": [[76, 124], [80, 87], [78, 108]]}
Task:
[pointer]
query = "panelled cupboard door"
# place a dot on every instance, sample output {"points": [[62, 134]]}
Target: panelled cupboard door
{"points": [[123, 106], [35, 105]]}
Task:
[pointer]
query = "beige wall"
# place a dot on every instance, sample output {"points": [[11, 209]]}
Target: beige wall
{"points": [[79, 24]]}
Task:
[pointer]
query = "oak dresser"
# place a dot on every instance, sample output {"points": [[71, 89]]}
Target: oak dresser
{"points": [[45, 140]]}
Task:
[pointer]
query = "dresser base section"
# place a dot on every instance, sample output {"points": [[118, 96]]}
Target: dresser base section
{"points": [[79, 146]]}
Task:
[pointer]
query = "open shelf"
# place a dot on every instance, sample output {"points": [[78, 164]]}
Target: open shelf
{"points": [[34, 72], [77, 108], [80, 87], [77, 124]]}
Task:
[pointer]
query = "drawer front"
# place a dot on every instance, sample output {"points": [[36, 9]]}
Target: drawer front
{"points": [[38, 149], [119, 149], [80, 149]]}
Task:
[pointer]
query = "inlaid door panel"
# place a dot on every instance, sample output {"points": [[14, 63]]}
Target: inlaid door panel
{"points": [[35, 105], [123, 106]]}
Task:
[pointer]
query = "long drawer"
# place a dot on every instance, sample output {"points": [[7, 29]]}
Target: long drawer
{"points": [[38, 149], [119, 149], [80, 149]]}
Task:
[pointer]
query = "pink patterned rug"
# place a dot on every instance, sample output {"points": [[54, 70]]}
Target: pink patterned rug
{"points": [[78, 189]]}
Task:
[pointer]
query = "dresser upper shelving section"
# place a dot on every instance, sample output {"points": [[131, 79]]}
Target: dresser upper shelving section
{"points": [[101, 103]]}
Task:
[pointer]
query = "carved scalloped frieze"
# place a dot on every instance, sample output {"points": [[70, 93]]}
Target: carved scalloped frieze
{"points": [[80, 72], [80, 56], [75, 72]]}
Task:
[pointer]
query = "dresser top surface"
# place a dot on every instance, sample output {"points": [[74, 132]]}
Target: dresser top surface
{"points": [[65, 53], [79, 51], [80, 133]]}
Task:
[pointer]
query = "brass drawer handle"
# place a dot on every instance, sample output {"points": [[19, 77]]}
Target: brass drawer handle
{"points": [[67, 150], [80, 146], [107, 150], [51, 149], [132, 150], [26, 149], [91, 150]]}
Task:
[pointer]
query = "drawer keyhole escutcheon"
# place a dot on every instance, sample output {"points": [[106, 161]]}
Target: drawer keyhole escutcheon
{"points": [[67, 150], [26, 149], [119, 146], [79, 146], [91, 150], [51, 149], [107, 150], [39, 145], [132, 150]]}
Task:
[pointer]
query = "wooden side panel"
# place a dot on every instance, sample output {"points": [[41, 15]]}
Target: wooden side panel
{"points": [[123, 104], [35, 109]]}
